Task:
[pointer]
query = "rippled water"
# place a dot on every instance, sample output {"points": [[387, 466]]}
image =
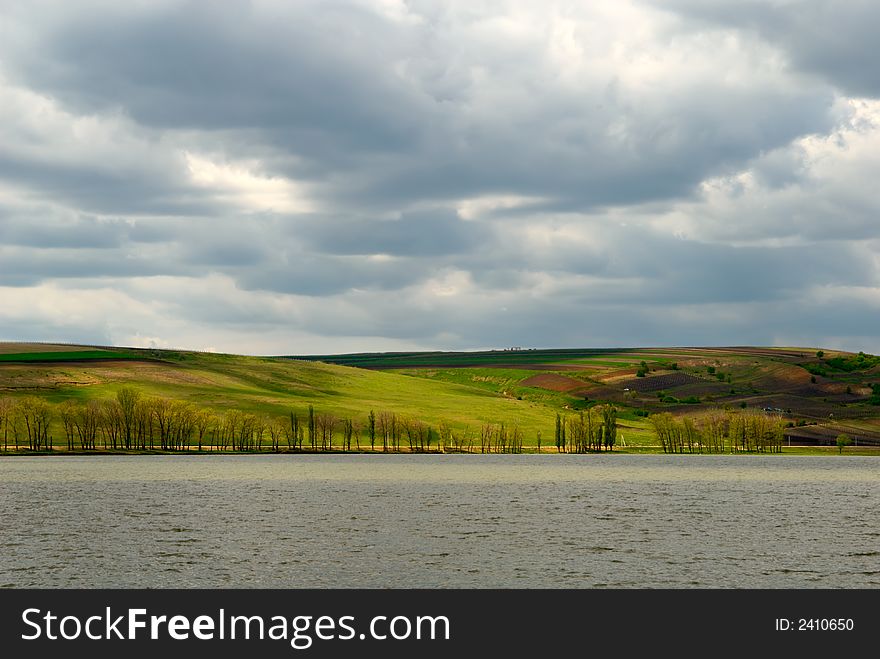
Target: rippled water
{"points": [[395, 521]]}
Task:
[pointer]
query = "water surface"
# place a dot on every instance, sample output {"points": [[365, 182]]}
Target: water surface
{"points": [[463, 521]]}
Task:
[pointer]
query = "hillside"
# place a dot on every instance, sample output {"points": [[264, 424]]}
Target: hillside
{"points": [[818, 394], [268, 387]]}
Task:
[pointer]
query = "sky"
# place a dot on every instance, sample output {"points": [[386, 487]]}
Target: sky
{"points": [[338, 176]]}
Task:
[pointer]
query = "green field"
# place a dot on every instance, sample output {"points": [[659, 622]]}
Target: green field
{"points": [[397, 360], [524, 389], [273, 388], [68, 356]]}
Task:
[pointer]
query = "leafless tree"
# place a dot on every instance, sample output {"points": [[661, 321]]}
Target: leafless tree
{"points": [[347, 432], [128, 399], [277, 429], [325, 423], [36, 416], [203, 421], [68, 412], [87, 421], [6, 411]]}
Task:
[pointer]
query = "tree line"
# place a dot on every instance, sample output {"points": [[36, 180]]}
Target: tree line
{"points": [[590, 430], [720, 432], [134, 422]]}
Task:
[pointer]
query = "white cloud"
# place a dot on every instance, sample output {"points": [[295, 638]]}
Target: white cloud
{"points": [[241, 184]]}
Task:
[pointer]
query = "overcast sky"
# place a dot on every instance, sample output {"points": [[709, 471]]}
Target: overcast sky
{"points": [[272, 177]]}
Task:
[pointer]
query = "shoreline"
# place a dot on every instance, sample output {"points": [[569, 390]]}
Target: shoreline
{"points": [[831, 451]]}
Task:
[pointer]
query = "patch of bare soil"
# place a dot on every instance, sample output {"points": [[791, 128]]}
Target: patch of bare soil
{"points": [[757, 352], [618, 374], [701, 388], [553, 382], [601, 393], [54, 375], [785, 378], [20, 377], [828, 435], [139, 371], [661, 382], [811, 408]]}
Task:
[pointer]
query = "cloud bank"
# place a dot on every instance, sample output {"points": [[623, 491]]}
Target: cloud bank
{"points": [[289, 178]]}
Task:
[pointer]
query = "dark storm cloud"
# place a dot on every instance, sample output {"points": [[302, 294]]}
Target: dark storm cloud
{"points": [[688, 272], [312, 67], [45, 227], [419, 233], [439, 174], [96, 188], [33, 266], [326, 275], [348, 92], [669, 149], [228, 253]]}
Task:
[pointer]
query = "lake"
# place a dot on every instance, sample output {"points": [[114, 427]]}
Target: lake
{"points": [[440, 521]]}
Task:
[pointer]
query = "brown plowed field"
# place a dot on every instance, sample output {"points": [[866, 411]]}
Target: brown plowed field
{"points": [[553, 382], [760, 352], [813, 408], [785, 377], [828, 435], [606, 394], [658, 382], [701, 388]]}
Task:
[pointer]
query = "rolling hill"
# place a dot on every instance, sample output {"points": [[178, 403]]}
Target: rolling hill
{"points": [[818, 393]]}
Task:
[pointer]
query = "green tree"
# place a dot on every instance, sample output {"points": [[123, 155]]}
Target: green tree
{"points": [[295, 430], [609, 421], [312, 426], [558, 432], [843, 440]]}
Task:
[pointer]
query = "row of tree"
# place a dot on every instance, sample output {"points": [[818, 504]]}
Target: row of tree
{"points": [[590, 430], [720, 433], [134, 422], [25, 421], [131, 421]]}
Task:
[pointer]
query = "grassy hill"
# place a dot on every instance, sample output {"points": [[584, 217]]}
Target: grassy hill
{"points": [[818, 393], [269, 387]]}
